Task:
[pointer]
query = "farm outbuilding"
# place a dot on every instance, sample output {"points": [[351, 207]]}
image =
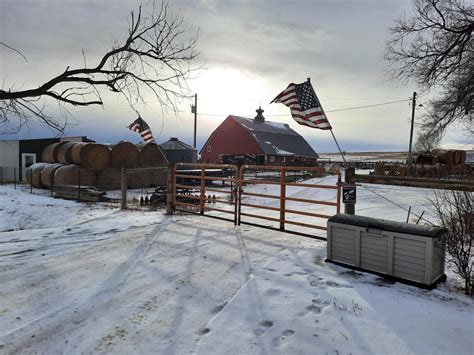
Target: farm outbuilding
{"points": [[264, 142], [178, 152]]}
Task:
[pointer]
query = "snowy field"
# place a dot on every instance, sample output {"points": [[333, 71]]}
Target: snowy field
{"points": [[80, 278]]}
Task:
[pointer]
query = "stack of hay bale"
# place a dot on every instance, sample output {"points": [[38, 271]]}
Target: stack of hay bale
{"points": [[98, 165]]}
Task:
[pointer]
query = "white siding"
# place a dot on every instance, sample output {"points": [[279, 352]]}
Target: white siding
{"points": [[9, 159]]}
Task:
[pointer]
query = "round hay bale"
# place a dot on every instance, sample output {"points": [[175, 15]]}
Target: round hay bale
{"points": [[459, 156], [124, 154], [50, 153], [33, 174], [47, 174], [109, 179], [64, 153], [151, 155], [137, 179], [90, 155], [74, 175]]}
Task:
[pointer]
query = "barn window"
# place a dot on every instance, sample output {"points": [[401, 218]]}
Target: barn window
{"points": [[272, 159], [208, 148], [283, 159]]}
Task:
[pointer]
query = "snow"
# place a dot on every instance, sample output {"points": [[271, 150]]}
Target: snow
{"points": [[81, 278], [282, 151]]}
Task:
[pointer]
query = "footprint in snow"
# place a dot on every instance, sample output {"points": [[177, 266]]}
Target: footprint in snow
{"points": [[263, 324], [204, 331], [281, 340], [272, 292]]}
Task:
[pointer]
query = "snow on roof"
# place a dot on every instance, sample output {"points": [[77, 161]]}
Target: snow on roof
{"points": [[276, 138]]}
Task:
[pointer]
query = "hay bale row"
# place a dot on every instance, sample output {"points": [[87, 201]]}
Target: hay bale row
{"points": [[74, 175], [109, 178], [151, 155], [33, 174], [450, 157], [98, 156], [47, 174], [91, 155], [50, 153]]}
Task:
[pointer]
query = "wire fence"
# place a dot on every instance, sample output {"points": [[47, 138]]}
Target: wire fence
{"points": [[9, 175], [141, 188]]}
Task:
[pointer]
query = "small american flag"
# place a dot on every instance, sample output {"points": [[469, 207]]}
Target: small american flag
{"points": [[141, 127], [304, 105]]}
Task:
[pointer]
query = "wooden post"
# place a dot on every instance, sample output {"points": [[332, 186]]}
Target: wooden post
{"points": [[195, 118], [79, 185], [203, 189], [237, 193], [240, 176], [282, 198], [339, 186], [349, 208], [123, 182], [411, 134], [170, 191]]}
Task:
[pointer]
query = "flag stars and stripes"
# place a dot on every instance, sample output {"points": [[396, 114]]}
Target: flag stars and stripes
{"points": [[304, 105], [142, 128]]}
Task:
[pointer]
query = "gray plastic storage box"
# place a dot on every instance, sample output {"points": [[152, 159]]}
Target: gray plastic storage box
{"points": [[408, 252]]}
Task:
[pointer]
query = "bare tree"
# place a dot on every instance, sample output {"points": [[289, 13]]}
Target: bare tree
{"points": [[435, 48], [455, 213], [156, 55], [427, 141]]}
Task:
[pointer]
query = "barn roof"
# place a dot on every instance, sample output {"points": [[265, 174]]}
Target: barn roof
{"points": [[175, 144], [276, 138]]}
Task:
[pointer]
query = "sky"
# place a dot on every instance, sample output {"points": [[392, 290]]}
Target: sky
{"points": [[250, 50]]}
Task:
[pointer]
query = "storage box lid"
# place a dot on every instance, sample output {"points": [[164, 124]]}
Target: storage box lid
{"points": [[383, 224]]}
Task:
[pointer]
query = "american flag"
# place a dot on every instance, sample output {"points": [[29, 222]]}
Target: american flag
{"points": [[141, 127], [304, 105]]}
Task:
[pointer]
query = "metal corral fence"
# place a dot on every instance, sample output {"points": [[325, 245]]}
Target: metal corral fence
{"points": [[251, 194]]}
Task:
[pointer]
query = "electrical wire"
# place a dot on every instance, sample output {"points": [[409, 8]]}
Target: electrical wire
{"points": [[336, 110]]}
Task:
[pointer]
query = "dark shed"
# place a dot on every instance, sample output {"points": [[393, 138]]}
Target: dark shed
{"points": [[179, 152]]}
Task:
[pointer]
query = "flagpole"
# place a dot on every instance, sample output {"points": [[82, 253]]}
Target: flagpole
{"points": [[332, 133]]}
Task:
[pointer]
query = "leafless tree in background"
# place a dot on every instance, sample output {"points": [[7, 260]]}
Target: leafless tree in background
{"points": [[427, 141], [455, 213], [435, 48], [156, 55]]}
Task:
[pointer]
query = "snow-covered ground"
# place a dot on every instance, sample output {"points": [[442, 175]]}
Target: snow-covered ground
{"points": [[81, 278]]}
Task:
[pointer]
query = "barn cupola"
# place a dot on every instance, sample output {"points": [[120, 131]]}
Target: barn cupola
{"points": [[259, 117]]}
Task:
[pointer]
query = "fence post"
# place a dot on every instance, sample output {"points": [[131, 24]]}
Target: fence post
{"points": [[349, 208], [240, 176], [282, 198], [203, 187], [170, 190], [79, 186], [14, 178], [123, 184], [2, 175]]}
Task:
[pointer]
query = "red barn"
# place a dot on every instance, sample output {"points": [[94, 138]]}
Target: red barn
{"points": [[264, 142]]}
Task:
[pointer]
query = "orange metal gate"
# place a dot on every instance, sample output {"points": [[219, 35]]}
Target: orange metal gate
{"points": [[282, 180], [191, 182], [233, 188]]}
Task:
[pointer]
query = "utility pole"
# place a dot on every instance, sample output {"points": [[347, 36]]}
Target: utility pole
{"points": [[411, 134], [194, 110]]}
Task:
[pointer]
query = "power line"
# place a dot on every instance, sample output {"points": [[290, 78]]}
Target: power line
{"points": [[336, 110]]}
